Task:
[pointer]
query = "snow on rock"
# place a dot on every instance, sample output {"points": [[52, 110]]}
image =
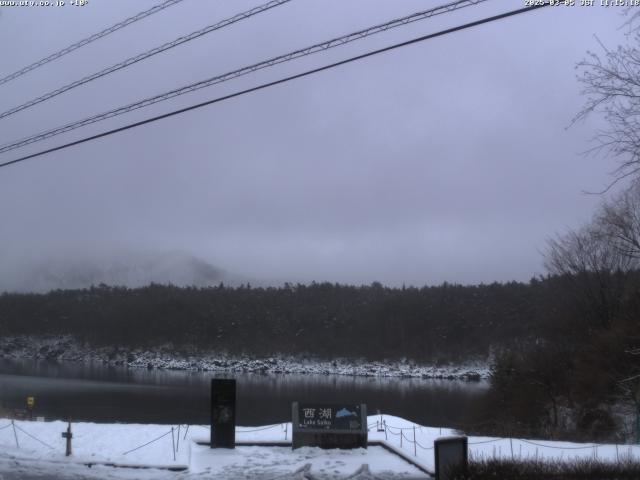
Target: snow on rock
{"points": [[67, 348]]}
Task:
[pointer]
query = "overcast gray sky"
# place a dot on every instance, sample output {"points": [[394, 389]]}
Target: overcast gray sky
{"points": [[447, 160]]}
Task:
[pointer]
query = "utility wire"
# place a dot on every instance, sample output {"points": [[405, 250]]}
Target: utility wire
{"points": [[92, 38], [143, 56], [243, 71], [280, 81]]}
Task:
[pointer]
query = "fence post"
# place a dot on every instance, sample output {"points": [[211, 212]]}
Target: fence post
{"points": [[286, 430], [15, 435], [178, 439], [637, 422], [401, 435], [415, 444], [173, 444], [511, 443]]}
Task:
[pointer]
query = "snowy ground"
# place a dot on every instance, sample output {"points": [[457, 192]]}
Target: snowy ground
{"points": [[39, 452], [66, 348]]}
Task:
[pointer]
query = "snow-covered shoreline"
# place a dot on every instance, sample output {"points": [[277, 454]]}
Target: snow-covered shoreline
{"points": [[68, 349]]}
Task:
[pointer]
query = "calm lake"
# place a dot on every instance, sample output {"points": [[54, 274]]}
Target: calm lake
{"points": [[116, 394]]}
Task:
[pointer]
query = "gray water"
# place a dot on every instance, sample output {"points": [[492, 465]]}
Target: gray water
{"points": [[98, 393]]}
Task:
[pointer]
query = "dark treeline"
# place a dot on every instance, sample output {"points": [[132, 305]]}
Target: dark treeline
{"points": [[442, 323], [580, 378], [560, 346]]}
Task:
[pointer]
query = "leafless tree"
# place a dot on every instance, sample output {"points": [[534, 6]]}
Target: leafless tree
{"points": [[611, 84], [595, 268], [619, 222]]}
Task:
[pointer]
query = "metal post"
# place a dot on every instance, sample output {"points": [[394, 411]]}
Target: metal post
{"points": [[178, 439], [68, 435], [15, 435], [415, 444], [401, 435], [173, 444], [511, 443]]}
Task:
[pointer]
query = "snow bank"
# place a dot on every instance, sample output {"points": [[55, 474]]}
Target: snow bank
{"points": [[156, 445]]}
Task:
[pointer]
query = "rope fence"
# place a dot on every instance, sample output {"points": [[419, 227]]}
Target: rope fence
{"points": [[595, 445], [400, 432], [487, 441], [269, 427], [423, 447], [31, 436], [149, 443]]}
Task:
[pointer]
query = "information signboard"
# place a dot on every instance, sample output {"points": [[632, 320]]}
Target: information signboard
{"points": [[330, 417], [329, 425]]}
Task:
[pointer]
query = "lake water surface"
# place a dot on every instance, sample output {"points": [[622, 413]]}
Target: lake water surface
{"points": [[98, 393]]}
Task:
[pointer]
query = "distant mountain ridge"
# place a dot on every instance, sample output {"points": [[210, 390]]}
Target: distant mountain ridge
{"points": [[129, 270]]}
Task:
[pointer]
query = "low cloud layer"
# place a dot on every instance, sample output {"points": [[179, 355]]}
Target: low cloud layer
{"points": [[444, 161]]}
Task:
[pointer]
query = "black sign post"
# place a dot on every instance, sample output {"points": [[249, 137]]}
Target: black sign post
{"points": [[68, 435], [223, 413], [329, 426]]}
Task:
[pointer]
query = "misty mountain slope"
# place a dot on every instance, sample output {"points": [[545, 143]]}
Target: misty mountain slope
{"points": [[130, 270]]}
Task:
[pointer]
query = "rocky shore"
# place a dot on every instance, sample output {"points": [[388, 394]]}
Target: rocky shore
{"points": [[167, 356]]}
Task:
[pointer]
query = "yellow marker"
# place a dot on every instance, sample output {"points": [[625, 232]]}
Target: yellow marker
{"points": [[30, 402]]}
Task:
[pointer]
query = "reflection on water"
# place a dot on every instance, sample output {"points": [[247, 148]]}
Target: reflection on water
{"points": [[117, 394]]}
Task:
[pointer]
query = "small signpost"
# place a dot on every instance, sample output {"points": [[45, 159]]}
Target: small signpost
{"points": [[223, 413], [450, 453], [68, 435], [329, 426], [31, 401]]}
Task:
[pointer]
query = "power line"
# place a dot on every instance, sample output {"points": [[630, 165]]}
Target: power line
{"points": [[244, 71], [92, 38], [142, 56], [280, 81]]}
